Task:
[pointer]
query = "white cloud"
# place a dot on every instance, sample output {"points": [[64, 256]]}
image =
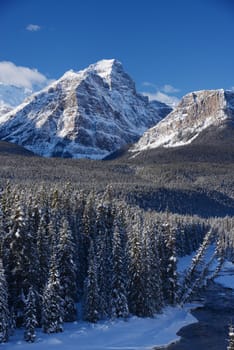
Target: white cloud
{"points": [[166, 93], [169, 89], [162, 97], [148, 84], [33, 27], [20, 76]]}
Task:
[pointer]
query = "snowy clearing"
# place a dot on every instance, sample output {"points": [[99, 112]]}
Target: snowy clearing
{"points": [[136, 333]]}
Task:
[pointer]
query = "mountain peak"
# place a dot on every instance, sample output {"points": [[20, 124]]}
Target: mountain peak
{"points": [[90, 113], [112, 72], [196, 113], [106, 66]]}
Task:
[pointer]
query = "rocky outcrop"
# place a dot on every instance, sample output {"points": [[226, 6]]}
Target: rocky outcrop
{"points": [[197, 113], [90, 114]]}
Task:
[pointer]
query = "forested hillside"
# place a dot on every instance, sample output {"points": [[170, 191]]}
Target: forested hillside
{"points": [[62, 246]]}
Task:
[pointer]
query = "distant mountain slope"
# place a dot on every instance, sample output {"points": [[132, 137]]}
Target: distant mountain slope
{"points": [[90, 114], [12, 96], [8, 148], [203, 117]]}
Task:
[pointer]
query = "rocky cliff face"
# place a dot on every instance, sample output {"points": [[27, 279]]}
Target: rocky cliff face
{"points": [[197, 113], [90, 113]]}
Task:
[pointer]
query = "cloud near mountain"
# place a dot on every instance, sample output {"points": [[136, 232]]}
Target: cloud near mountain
{"points": [[11, 74]]}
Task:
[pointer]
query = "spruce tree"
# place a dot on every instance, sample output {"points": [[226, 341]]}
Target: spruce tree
{"points": [[14, 259], [91, 290], [30, 317], [67, 271], [136, 290], [151, 272], [105, 220], [52, 304], [43, 250], [231, 338], [119, 302], [4, 309], [171, 266]]}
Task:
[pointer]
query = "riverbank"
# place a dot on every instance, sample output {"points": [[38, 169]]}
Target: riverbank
{"points": [[211, 330]]}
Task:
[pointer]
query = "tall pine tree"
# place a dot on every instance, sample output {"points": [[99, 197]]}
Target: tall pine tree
{"points": [[67, 271], [231, 338], [91, 291], [52, 305], [4, 309], [30, 317], [119, 302]]}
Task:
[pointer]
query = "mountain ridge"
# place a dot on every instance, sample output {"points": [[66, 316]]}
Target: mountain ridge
{"points": [[89, 113], [196, 113]]}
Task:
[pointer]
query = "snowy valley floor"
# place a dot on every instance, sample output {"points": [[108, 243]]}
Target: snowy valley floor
{"points": [[134, 334]]}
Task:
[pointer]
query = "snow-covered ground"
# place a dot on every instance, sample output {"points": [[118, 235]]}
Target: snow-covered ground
{"points": [[134, 334]]}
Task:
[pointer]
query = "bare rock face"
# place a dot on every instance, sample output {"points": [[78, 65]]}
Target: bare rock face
{"points": [[197, 113], [90, 114]]}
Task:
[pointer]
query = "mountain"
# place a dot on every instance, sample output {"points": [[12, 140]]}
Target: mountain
{"points": [[201, 118], [89, 113], [10, 149]]}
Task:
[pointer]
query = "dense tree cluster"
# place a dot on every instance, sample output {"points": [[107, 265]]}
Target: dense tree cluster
{"points": [[231, 338], [64, 246]]}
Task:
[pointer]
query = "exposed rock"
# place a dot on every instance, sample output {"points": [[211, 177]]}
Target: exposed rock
{"points": [[90, 114], [199, 113]]}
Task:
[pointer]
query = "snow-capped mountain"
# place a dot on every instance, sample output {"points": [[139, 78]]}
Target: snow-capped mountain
{"points": [[195, 115], [89, 113]]}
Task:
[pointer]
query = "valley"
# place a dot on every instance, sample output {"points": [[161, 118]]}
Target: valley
{"points": [[102, 194]]}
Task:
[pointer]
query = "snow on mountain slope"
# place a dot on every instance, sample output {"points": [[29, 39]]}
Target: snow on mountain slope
{"points": [[89, 113], [195, 113]]}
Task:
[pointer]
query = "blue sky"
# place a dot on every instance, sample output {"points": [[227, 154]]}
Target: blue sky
{"points": [[167, 46]]}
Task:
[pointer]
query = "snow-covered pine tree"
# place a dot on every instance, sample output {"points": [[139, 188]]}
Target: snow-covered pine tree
{"points": [[153, 258], [104, 242], [87, 232], [167, 252], [52, 304], [231, 338], [171, 266], [13, 248], [103, 276], [6, 205], [80, 239], [196, 268], [119, 302], [67, 271], [4, 309], [91, 304], [43, 249], [136, 290], [30, 317]]}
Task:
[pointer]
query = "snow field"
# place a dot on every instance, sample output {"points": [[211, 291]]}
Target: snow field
{"points": [[134, 334]]}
